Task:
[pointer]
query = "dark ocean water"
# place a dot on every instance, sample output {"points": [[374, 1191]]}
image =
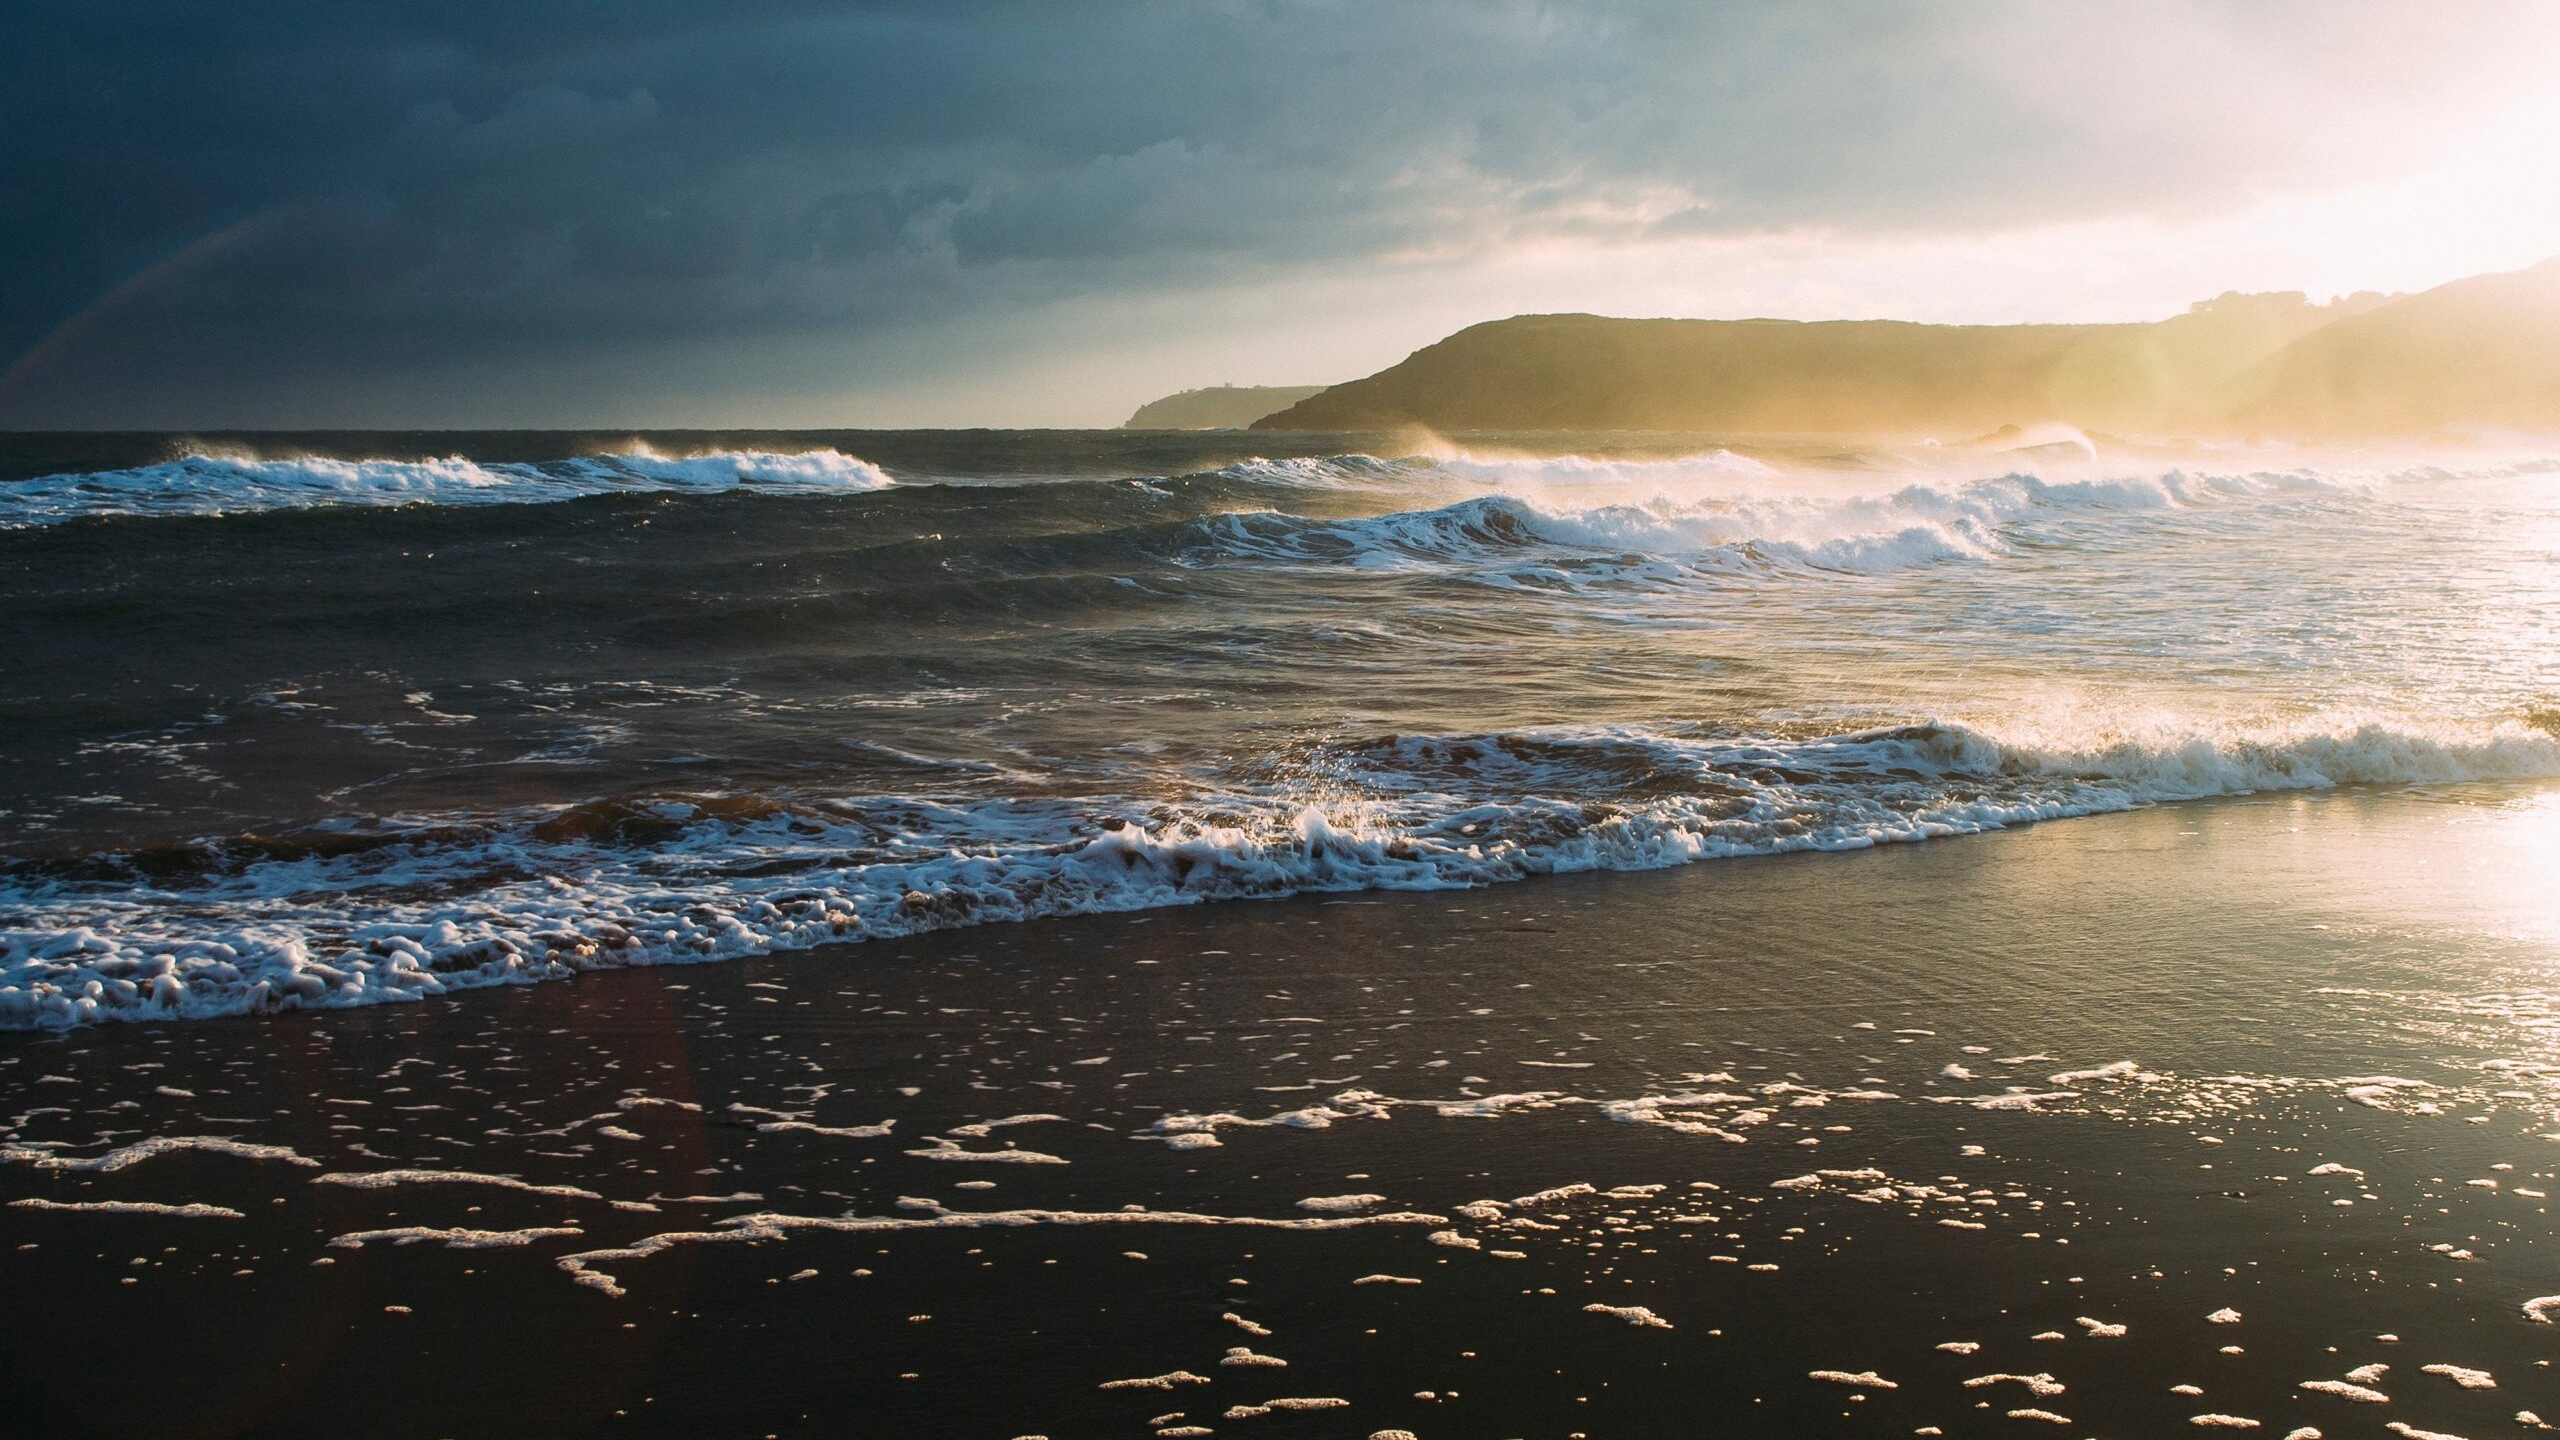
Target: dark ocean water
{"points": [[326, 720]]}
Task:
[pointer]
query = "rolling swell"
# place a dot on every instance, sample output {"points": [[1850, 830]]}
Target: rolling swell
{"points": [[351, 914]]}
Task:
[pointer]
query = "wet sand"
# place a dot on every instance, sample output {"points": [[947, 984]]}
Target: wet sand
{"points": [[2290, 1057]]}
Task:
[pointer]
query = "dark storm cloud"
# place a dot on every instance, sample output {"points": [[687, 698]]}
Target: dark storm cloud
{"points": [[217, 200]]}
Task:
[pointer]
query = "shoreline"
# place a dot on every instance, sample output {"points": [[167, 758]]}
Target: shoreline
{"points": [[2186, 940]]}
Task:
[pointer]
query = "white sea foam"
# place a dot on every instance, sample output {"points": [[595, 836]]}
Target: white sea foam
{"points": [[190, 1211], [1287, 1403], [2040, 1384], [2347, 1390], [1509, 541], [951, 1150], [1156, 1382], [838, 1132], [766, 1227], [1574, 521], [453, 1238], [1644, 1319], [124, 1157], [387, 1179], [226, 485], [979, 1130], [513, 900]]}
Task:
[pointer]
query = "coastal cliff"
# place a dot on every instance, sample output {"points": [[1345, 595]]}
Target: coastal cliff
{"points": [[1219, 407]]}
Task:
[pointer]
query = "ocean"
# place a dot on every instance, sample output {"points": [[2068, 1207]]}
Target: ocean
{"points": [[1640, 935], [340, 729]]}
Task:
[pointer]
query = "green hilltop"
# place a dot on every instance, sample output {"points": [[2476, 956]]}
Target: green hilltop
{"points": [[2477, 353]]}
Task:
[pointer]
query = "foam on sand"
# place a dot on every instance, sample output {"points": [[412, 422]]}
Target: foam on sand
{"points": [[1636, 1315], [386, 1179], [127, 1156], [455, 1238], [1155, 1382], [2120, 1070], [2039, 1384], [833, 1132], [980, 1129], [2346, 1390], [952, 1150], [2377, 1091], [765, 1227], [1287, 1403], [129, 1207]]}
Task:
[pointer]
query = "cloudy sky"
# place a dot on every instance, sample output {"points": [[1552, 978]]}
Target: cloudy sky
{"points": [[783, 212]]}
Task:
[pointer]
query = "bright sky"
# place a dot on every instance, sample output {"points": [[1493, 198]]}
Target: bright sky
{"points": [[792, 213]]}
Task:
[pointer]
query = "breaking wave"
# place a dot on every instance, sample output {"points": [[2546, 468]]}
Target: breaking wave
{"points": [[364, 912], [228, 485], [1667, 525]]}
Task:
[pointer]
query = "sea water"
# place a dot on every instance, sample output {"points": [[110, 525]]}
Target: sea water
{"points": [[300, 724]]}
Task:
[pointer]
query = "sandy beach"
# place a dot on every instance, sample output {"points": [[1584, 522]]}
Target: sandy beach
{"points": [[1904, 1119]]}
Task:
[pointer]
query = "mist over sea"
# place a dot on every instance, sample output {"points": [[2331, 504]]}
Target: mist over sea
{"points": [[300, 722]]}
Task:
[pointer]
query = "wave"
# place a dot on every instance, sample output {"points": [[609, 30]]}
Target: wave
{"points": [[1553, 532], [1492, 470], [364, 912], [227, 485], [1329, 472], [1505, 540]]}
